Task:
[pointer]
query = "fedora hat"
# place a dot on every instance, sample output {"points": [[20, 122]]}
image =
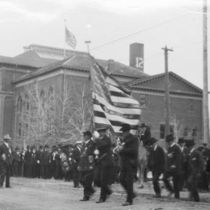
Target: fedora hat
{"points": [[87, 133], [125, 127], [181, 140], [170, 137], [143, 125], [7, 137], [152, 140], [189, 143]]}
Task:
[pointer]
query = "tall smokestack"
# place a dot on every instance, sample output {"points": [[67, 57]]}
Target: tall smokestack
{"points": [[137, 56]]}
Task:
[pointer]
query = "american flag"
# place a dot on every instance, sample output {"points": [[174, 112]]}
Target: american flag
{"points": [[112, 105], [70, 39]]}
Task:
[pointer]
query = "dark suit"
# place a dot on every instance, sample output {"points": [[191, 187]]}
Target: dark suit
{"points": [[104, 165], [173, 159], [195, 168], [86, 167], [129, 155], [157, 165], [16, 164], [27, 163], [45, 160], [145, 135], [75, 161], [5, 165]]}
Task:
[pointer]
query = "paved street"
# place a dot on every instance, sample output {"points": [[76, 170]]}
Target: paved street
{"points": [[35, 194]]}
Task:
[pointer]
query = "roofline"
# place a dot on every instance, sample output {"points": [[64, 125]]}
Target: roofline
{"points": [[154, 77], [21, 65], [163, 91], [36, 74]]}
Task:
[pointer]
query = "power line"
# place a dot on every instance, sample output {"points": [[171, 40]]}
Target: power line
{"points": [[138, 32]]}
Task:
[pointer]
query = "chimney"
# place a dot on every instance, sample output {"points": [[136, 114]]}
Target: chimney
{"points": [[137, 56]]}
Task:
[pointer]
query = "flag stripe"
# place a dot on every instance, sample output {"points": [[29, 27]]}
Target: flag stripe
{"points": [[116, 109], [112, 104]]}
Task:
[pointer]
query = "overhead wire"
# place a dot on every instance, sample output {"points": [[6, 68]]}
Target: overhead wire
{"points": [[138, 32]]}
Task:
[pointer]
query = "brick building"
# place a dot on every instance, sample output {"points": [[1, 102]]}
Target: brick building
{"points": [[45, 67]]}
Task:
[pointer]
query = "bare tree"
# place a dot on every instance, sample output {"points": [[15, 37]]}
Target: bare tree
{"points": [[177, 126], [55, 116]]}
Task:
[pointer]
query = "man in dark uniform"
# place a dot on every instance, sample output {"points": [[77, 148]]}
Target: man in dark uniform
{"points": [[27, 159], [145, 134], [33, 162], [173, 164], [156, 164], [46, 161], [58, 171], [53, 162], [5, 162], [105, 163], [75, 158], [195, 168], [86, 165], [38, 168], [16, 162], [128, 154], [183, 168]]}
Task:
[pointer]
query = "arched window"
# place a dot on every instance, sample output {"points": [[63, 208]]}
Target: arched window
{"points": [[19, 129], [20, 104], [42, 98], [51, 98], [27, 102]]}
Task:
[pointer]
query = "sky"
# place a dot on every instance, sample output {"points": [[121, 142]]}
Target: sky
{"points": [[111, 26]]}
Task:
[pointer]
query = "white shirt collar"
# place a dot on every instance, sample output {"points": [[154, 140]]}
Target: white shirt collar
{"points": [[155, 147], [6, 144], [172, 144]]}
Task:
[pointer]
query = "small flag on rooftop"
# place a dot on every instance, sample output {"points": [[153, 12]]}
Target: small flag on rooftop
{"points": [[112, 104], [70, 39]]}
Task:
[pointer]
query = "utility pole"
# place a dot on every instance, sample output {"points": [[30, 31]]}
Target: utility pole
{"points": [[167, 119], [205, 76], [88, 42]]}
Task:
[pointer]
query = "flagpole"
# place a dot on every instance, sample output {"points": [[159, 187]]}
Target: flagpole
{"points": [[64, 45]]}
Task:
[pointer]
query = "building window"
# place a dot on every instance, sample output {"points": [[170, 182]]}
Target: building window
{"points": [[162, 130], [20, 104], [19, 130], [143, 101], [51, 98], [27, 103], [42, 98]]}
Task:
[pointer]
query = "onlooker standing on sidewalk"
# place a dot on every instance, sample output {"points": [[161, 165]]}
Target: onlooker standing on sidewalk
{"points": [[173, 164], [195, 168], [75, 161], [156, 164], [16, 162], [5, 161]]}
